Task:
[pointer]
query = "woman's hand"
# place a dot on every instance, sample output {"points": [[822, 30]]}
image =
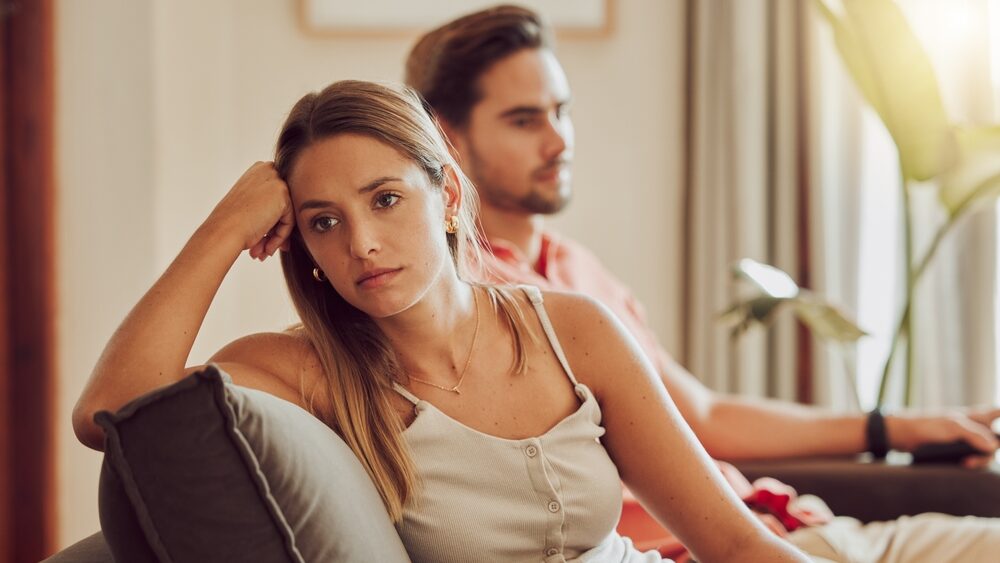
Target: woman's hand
{"points": [[257, 211], [152, 344]]}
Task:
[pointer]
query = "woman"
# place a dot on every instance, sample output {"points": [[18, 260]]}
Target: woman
{"points": [[457, 398]]}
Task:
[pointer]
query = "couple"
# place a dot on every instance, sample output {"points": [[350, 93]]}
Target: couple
{"points": [[402, 349]]}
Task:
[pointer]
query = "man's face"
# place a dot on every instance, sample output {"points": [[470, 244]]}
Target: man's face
{"points": [[518, 143]]}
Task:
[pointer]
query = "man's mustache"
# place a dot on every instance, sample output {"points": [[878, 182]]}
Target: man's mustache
{"points": [[553, 164]]}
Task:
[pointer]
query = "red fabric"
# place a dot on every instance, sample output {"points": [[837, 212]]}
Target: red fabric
{"points": [[567, 266], [764, 496], [770, 496]]}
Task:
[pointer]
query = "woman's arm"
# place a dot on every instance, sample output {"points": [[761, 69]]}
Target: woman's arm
{"points": [[657, 454], [152, 344]]}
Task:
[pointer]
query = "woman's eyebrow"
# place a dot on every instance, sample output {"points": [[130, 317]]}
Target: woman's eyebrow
{"points": [[315, 204], [376, 183], [370, 186]]}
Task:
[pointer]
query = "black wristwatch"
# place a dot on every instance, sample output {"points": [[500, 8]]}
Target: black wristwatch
{"points": [[875, 433]]}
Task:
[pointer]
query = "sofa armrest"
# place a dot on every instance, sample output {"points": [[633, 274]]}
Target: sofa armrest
{"points": [[883, 490], [92, 549]]}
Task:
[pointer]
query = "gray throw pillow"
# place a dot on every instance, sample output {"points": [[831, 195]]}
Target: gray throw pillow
{"points": [[205, 470], [91, 549]]}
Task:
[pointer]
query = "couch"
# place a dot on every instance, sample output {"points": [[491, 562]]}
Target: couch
{"points": [[205, 470]]}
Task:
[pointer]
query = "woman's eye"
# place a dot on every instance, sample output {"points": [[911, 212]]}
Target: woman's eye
{"points": [[323, 224], [386, 199]]}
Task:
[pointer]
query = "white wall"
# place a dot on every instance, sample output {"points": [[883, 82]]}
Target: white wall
{"points": [[105, 229], [163, 104]]}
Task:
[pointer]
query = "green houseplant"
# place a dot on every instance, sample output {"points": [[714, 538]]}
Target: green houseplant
{"points": [[895, 76]]}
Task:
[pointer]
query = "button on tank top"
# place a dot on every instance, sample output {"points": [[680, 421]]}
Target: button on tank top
{"points": [[553, 498]]}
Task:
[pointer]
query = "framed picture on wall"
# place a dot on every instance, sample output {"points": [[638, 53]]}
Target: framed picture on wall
{"points": [[392, 17]]}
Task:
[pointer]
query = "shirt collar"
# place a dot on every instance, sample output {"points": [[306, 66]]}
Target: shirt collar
{"points": [[510, 253]]}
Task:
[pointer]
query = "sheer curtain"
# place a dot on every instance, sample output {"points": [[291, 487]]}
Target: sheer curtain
{"points": [[956, 346], [789, 166], [747, 186]]}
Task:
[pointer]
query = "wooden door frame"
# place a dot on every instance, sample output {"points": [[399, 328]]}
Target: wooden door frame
{"points": [[27, 348]]}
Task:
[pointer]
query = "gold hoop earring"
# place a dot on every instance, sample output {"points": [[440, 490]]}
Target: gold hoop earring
{"points": [[451, 225], [318, 275]]}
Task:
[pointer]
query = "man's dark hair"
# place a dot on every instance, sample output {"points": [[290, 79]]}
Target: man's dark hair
{"points": [[446, 63]]}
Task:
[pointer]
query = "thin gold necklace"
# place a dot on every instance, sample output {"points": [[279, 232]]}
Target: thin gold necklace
{"points": [[468, 360]]}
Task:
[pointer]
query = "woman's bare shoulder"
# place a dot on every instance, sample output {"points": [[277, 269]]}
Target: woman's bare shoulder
{"points": [[287, 357], [275, 352], [576, 313], [594, 340], [573, 315]]}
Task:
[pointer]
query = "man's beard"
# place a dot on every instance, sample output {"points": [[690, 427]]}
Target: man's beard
{"points": [[536, 201]]}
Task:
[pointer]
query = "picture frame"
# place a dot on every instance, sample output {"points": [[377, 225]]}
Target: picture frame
{"points": [[578, 18]]}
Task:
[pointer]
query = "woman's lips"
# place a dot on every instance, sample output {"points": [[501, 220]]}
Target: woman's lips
{"points": [[377, 278]]}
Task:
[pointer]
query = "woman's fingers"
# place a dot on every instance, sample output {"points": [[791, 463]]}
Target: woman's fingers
{"points": [[257, 250], [276, 238], [281, 231], [258, 210]]}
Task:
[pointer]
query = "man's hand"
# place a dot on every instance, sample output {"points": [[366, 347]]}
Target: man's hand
{"points": [[908, 430]]}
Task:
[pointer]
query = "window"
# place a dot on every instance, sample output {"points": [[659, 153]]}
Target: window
{"points": [[955, 35]]}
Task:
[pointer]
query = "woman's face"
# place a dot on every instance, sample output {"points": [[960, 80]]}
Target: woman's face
{"points": [[372, 221]]}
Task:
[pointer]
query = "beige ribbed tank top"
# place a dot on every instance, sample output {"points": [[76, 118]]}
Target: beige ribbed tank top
{"points": [[553, 498]]}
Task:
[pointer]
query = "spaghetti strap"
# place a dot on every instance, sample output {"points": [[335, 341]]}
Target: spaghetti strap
{"points": [[535, 295], [406, 394]]}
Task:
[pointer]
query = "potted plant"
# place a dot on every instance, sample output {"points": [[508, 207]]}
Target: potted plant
{"points": [[895, 76]]}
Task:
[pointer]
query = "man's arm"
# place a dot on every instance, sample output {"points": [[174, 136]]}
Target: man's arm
{"points": [[737, 428]]}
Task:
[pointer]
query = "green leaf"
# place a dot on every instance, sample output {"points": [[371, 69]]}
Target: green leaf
{"points": [[772, 281], [977, 175], [778, 289], [826, 321], [823, 319], [759, 309], [894, 74]]}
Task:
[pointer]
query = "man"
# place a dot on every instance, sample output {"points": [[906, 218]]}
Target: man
{"points": [[502, 98]]}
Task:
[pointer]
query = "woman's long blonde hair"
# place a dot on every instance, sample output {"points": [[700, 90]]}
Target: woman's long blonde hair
{"points": [[358, 363]]}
